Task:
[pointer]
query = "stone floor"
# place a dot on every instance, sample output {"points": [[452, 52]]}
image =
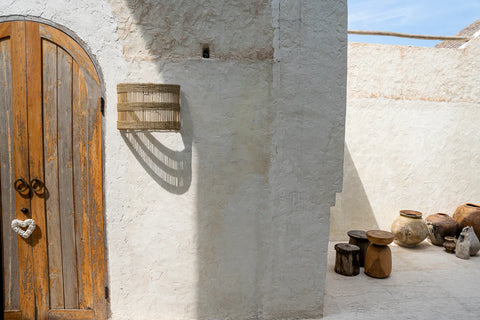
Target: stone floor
{"points": [[426, 283]]}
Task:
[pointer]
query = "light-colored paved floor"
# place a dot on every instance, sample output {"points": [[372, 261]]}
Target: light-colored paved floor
{"points": [[426, 283]]}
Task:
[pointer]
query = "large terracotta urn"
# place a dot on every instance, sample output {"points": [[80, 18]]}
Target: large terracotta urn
{"points": [[440, 225], [409, 228], [468, 214]]}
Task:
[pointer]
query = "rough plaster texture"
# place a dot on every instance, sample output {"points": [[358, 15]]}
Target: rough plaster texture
{"points": [[412, 124], [306, 159], [229, 217], [179, 29]]}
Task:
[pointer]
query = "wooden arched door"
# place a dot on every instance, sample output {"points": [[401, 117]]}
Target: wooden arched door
{"points": [[51, 172]]}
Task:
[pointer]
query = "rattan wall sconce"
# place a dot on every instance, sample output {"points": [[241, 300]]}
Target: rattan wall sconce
{"points": [[148, 106]]}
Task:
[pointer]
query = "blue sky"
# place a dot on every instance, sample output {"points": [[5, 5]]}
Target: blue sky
{"points": [[441, 17]]}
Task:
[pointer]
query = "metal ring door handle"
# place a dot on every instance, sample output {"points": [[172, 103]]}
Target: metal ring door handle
{"points": [[37, 185], [21, 185], [17, 226]]}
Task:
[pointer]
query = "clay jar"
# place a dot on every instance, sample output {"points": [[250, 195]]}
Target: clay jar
{"points": [[473, 239], [467, 244], [462, 249], [468, 214], [449, 244], [409, 228], [440, 225]]}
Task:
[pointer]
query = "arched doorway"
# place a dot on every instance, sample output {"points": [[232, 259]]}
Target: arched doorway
{"points": [[51, 173]]}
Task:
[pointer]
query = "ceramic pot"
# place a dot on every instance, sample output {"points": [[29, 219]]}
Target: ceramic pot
{"points": [[468, 214], [462, 249], [472, 238], [440, 225], [449, 244], [409, 228]]}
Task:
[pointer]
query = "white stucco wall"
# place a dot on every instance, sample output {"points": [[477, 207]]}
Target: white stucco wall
{"points": [[228, 218], [411, 132]]}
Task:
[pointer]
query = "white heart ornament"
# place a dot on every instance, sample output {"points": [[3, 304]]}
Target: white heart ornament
{"points": [[17, 226]]}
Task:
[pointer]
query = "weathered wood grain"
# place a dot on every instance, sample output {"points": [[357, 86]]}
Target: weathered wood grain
{"points": [[347, 259], [20, 147], [72, 47], [12, 315], [7, 192], [71, 315], [51, 173], [35, 145], [408, 35], [56, 137], [65, 179], [82, 214], [5, 29], [378, 261], [96, 199]]}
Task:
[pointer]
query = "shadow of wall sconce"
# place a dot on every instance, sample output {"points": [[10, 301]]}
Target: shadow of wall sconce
{"points": [[148, 106]]}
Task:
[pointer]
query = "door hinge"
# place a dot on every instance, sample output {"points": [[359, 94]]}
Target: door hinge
{"points": [[102, 106], [106, 293]]}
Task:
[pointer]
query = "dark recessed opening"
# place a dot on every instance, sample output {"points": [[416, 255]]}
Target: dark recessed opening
{"points": [[206, 52]]}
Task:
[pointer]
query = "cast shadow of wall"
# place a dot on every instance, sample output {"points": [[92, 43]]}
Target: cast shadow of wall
{"points": [[352, 209], [226, 241], [169, 168]]}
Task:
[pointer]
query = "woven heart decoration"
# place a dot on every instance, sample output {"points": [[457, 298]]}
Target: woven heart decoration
{"points": [[17, 226]]}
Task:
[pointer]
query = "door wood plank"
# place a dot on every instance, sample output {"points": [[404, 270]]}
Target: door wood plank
{"points": [[72, 47], [20, 146], [5, 29], [96, 198], [65, 180], [71, 314], [82, 215], [35, 146], [55, 267], [12, 315], [7, 192]]}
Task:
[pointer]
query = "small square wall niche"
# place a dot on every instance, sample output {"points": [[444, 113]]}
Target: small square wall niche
{"points": [[148, 106]]}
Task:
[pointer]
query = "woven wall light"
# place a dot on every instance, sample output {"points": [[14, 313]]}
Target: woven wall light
{"points": [[148, 106]]}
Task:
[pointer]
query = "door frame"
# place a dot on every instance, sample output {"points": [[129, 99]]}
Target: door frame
{"points": [[85, 55]]}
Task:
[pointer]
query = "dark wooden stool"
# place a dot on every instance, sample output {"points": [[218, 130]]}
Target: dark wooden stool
{"points": [[346, 260], [378, 260], [359, 238]]}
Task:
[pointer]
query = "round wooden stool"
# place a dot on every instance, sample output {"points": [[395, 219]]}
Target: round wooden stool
{"points": [[359, 238], [378, 259], [346, 260]]}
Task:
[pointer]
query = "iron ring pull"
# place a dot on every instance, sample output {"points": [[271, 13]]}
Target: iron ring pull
{"points": [[36, 185], [21, 185]]}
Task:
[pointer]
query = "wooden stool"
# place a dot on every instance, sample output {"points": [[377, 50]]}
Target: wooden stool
{"points": [[378, 260], [346, 260], [359, 238]]}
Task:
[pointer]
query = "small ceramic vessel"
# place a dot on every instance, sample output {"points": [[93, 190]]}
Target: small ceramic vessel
{"points": [[462, 249], [449, 244], [472, 238]]}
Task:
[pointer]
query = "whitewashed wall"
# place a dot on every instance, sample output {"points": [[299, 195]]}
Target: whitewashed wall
{"points": [[228, 218], [412, 132]]}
